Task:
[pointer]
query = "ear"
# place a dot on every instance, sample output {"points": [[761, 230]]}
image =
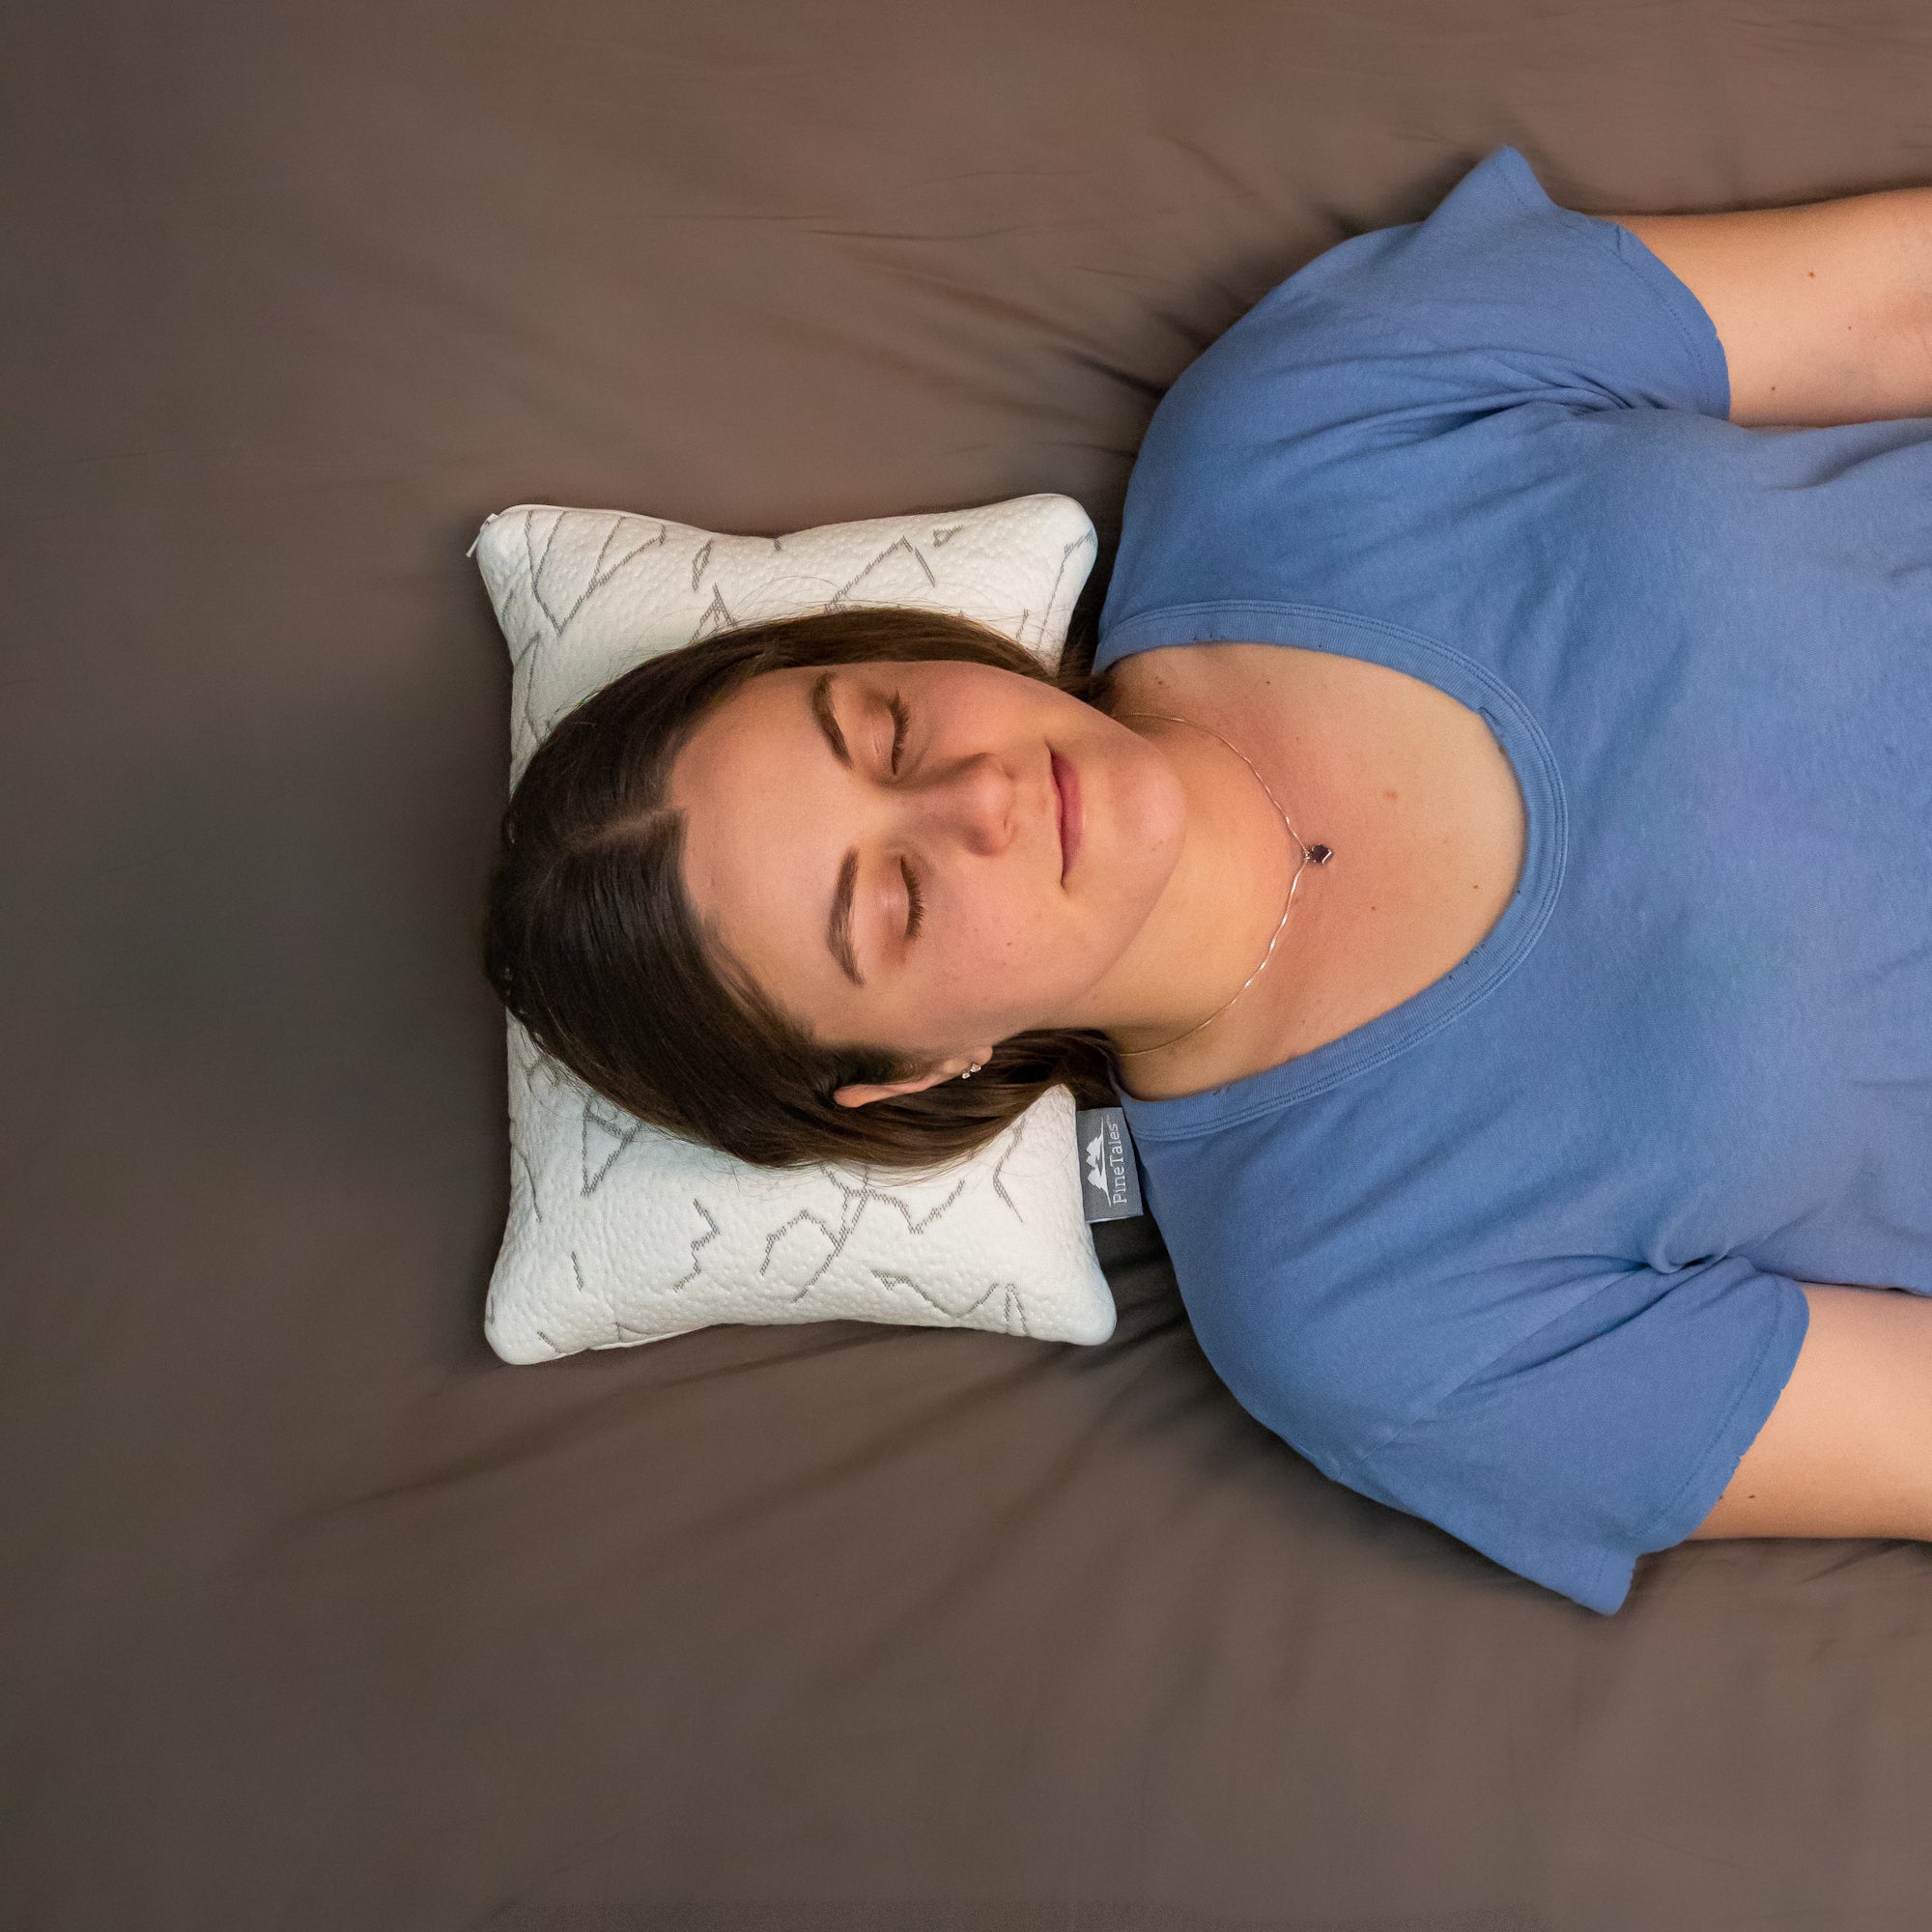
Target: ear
{"points": [[863, 1095]]}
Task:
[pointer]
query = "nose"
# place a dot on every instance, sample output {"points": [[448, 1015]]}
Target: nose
{"points": [[970, 800]]}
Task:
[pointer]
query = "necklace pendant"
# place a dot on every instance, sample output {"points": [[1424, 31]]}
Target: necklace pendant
{"points": [[1319, 855]]}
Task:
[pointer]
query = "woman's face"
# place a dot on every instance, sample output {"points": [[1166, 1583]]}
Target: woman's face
{"points": [[924, 857]]}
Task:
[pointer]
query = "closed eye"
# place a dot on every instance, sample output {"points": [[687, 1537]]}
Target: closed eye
{"points": [[896, 705], [915, 901]]}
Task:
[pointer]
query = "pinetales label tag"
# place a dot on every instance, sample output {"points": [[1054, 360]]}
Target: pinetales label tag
{"points": [[1110, 1181]]}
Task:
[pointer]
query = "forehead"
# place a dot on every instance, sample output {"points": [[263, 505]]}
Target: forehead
{"points": [[761, 705], [765, 832], [743, 758]]}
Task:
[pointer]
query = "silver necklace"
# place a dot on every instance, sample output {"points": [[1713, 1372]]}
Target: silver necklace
{"points": [[1311, 855]]}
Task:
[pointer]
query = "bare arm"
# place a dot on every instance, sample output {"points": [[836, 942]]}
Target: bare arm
{"points": [[1825, 311], [1848, 1450]]}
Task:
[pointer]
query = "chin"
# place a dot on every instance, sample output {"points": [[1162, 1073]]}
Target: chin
{"points": [[1146, 819], [1124, 874]]}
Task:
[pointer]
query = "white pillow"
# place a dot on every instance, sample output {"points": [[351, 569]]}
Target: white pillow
{"points": [[619, 1233]]}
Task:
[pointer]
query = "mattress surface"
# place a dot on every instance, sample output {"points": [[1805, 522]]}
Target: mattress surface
{"points": [[319, 1617]]}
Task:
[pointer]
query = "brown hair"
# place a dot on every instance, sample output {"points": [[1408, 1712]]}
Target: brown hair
{"points": [[592, 945]]}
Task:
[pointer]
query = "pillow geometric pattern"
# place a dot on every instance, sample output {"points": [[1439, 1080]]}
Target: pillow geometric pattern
{"points": [[619, 1233]]}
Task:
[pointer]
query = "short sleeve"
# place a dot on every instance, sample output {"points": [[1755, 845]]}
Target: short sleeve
{"points": [[1411, 410], [1498, 297], [1609, 1432]]}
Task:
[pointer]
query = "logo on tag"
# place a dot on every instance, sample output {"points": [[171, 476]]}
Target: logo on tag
{"points": [[1110, 1181]]}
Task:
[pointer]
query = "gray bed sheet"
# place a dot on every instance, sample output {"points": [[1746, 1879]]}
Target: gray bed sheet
{"points": [[318, 1619]]}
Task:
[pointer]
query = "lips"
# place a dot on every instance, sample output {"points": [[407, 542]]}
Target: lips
{"points": [[1067, 794]]}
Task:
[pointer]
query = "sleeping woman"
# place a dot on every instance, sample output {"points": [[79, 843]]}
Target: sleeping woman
{"points": [[1491, 856]]}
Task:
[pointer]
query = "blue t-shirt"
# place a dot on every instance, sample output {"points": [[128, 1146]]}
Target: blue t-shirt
{"points": [[1522, 1255]]}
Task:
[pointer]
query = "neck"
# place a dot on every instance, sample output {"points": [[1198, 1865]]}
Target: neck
{"points": [[1219, 909]]}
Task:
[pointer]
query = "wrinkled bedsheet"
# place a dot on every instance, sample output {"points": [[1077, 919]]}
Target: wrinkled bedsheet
{"points": [[320, 1620]]}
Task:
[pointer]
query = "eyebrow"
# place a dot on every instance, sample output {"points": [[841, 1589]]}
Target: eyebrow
{"points": [[839, 932], [838, 929], [821, 709]]}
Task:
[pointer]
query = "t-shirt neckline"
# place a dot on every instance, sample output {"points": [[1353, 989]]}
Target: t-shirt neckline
{"points": [[1443, 1001]]}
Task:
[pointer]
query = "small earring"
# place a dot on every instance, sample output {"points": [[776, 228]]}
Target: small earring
{"points": [[973, 1070]]}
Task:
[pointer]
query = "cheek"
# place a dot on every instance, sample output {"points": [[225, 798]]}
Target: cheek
{"points": [[1009, 954], [999, 932]]}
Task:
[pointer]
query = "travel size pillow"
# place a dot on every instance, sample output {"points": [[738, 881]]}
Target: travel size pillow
{"points": [[620, 1233]]}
